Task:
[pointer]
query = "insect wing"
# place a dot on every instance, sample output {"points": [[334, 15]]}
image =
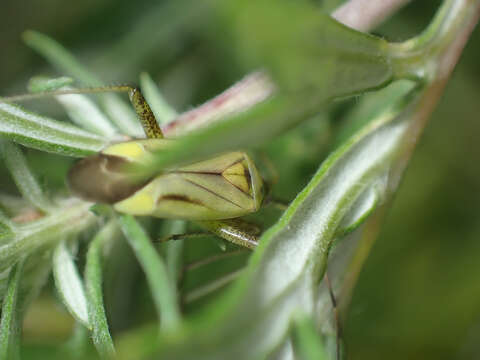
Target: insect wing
{"points": [[218, 188]]}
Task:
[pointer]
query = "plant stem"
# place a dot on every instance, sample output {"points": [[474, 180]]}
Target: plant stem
{"points": [[457, 30]]}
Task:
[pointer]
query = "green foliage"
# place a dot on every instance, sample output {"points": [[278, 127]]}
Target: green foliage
{"points": [[10, 321], [93, 286], [163, 290], [311, 60]]}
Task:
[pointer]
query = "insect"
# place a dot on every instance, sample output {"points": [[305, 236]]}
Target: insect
{"points": [[214, 192]]}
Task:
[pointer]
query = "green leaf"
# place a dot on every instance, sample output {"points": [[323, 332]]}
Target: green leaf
{"points": [[174, 250], [26, 182], [9, 323], [163, 289], [162, 110], [81, 110], [41, 83], [209, 288], [307, 342], [85, 113], [44, 232], [307, 50], [313, 59], [120, 113], [283, 275], [5, 227], [46, 134], [362, 208], [93, 281], [13, 205], [69, 284], [247, 129]]}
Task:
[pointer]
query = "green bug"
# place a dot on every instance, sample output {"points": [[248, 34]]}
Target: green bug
{"points": [[213, 192]]}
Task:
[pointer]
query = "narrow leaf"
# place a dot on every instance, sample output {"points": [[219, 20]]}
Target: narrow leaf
{"points": [[46, 134], [307, 50], [26, 182], [41, 83], [5, 225], [163, 290], [363, 207], [45, 232], [312, 59], [93, 281], [174, 250], [209, 288], [69, 284], [162, 110], [81, 110], [284, 271], [9, 323], [121, 114], [12, 204], [85, 113], [307, 342]]}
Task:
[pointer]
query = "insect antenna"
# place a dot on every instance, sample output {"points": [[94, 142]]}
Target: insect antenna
{"points": [[143, 110]]}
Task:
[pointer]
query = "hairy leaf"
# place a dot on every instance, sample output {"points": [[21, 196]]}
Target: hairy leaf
{"points": [[283, 274], [93, 281], [69, 284], [26, 182], [46, 134], [163, 289], [9, 323], [120, 113]]}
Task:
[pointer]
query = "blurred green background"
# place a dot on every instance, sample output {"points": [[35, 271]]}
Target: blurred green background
{"points": [[418, 296]]}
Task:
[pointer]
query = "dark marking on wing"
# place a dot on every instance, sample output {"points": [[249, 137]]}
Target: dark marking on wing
{"points": [[183, 198], [213, 193]]}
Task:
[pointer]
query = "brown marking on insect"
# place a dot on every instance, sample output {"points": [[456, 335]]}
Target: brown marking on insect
{"points": [[176, 197]]}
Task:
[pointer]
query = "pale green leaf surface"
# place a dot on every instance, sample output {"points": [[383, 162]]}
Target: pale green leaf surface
{"points": [[283, 273], [41, 83], [46, 134], [12, 205], [81, 110], [93, 285], [69, 284], [85, 113], [121, 114], [308, 50], [307, 342], [25, 180], [9, 323], [5, 227], [361, 209], [40, 233], [174, 250], [163, 289]]}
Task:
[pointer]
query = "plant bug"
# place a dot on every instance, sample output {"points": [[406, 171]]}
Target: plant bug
{"points": [[214, 192]]}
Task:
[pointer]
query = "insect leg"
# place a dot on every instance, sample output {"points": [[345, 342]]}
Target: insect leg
{"points": [[145, 114], [236, 231], [182, 236]]}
